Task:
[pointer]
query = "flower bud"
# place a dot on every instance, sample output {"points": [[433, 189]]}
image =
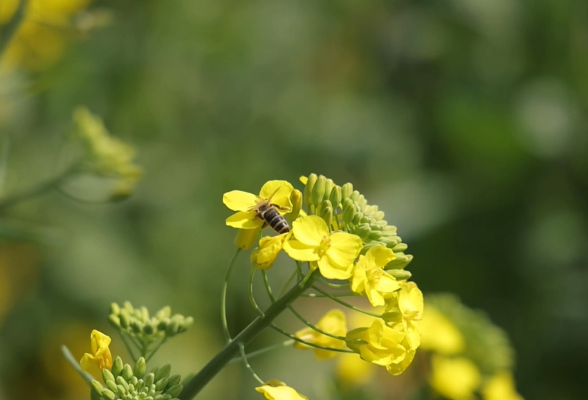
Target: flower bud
{"points": [[117, 367], [318, 190], [163, 372], [175, 390], [335, 196], [399, 274], [108, 394], [112, 386], [246, 238], [107, 375], [161, 384], [150, 378], [114, 321], [127, 372], [174, 380], [165, 312], [308, 188], [296, 200], [140, 368]]}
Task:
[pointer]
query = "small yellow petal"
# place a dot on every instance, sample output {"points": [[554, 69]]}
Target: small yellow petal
{"points": [[310, 230], [244, 220], [87, 361], [278, 191], [237, 200], [332, 271], [300, 251], [380, 256], [344, 248], [280, 393]]}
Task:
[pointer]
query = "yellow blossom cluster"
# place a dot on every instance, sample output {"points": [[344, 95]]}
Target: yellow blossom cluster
{"points": [[335, 241], [470, 357]]}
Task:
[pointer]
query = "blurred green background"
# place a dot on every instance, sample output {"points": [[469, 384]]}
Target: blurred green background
{"points": [[464, 120]]}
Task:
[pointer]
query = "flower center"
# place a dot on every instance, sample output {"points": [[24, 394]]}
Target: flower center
{"points": [[324, 246]]}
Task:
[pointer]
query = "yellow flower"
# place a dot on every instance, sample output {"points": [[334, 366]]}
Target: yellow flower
{"points": [[370, 278], [246, 238], [439, 334], [353, 371], [500, 387], [263, 257], [404, 312], [100, 355], [454, 378], [334, 254], [378, 344], [276, 192], [276, 390], [333, 322]]}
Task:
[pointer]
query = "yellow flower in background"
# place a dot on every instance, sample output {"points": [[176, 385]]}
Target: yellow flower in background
{"points": [[500, 387], [454, 378], [333, 254], [43, 32], [333, 322], [378, 344], [353, 371], [274, 192], [263, 257], [370, 278], [276, 390], [100, 355], [439, 334]]}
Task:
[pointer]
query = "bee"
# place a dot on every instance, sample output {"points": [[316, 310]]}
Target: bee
{"points": [[268, 212]]}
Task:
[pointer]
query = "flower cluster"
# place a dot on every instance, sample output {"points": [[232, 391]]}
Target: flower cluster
{"points": [[469, 354], [105, 155], [134, 383], [343, 239]]}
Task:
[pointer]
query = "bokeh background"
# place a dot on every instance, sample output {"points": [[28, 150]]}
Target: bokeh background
{"points": [[464, 120]]}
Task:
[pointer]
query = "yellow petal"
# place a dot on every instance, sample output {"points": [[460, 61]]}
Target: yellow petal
{"points": [[99, 340], [344, 248], [299, 251], [278, 191], [379, 256], [237, 200], [386, 283], [244, 220], [332, 271], [87, 361], [310, 230], [280, 393]]}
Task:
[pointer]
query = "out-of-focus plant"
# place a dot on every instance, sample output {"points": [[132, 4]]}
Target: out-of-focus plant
{"points": [[463, 356], [340, 245]]}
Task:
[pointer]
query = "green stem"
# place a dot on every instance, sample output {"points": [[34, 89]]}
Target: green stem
{"points": [[268, 287], [10, 29], [335, 285], [259, 352], [309, 344], [288, 282], [313, 327], [128, 346], [248, 366], [214, 366], [36, 191], [224, 298], [161, 342], [74, 363], [345, 304], [319, 296]]}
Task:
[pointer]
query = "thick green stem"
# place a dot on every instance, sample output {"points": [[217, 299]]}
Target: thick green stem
{"points": [[215, 365]]}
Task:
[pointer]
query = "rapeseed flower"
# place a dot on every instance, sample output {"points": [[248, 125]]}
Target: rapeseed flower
{"points": [[378, 344], [333, 322], [275, 390], [100, 355], [454, 378], [332, 253], [500, 387], [263, 257], [274, 192], [370, 278]]}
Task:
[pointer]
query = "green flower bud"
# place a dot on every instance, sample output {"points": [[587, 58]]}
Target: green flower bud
{"points": [[129, 307], [107, 376], [161, 384], [175, 390], [137, 326], [318, 191], [120, 381], [346, 191], [114, 309], [163, 372], [188, 321], [150, 378], [172, 328], [335, 196], [308, 188], [296, 200], [112, 386], [165, 312], [121, 390], [174, 380], [96, 387], [149, 329], [140, 368], [134, 380], [159, 397], [125, 320], [327, 213], [329, 185], [400, 247], [117, 366], [162, 326], [127, 372], [399, 274], [144, 314], [108, 394], [114, 321]]}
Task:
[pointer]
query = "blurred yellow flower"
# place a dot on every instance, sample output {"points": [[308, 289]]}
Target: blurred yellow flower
{"points": [[370, 278], [439, 334], [41, 36], [454, 378], [353, 371], [100, 355], [334, 254], [263, 257], [378, 344], [333, 322], [500, 387], [277, 192], [276, 390]]}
